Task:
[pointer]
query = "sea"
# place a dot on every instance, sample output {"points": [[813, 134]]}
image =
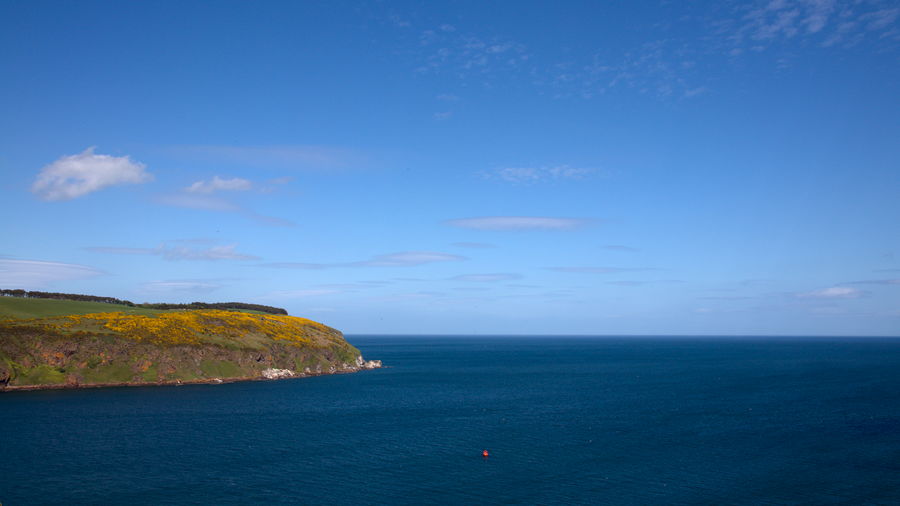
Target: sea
{"points": [[565, 420]]}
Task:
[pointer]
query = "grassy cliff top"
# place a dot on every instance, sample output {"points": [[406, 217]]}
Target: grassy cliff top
{"points": [[230, 329], [21, 307]]}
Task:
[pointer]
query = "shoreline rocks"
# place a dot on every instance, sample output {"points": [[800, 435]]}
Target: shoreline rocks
{"points": [[277, 374]]}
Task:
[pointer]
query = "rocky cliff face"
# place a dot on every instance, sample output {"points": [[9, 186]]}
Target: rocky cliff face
{"points": [[204, 346]]}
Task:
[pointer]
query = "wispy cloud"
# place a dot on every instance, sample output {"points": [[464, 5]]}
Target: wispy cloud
{"points": [[182, 286], [348, 287], [217, 184], [644, 283], [284, 157], [758, 25], [441, 116], [602, 270], [519, 223], [170, 252], [834, 292], [487, 278], [877, 282], [672, 60], [662, 68], [531, 175], [401, 259], [201, 195], [397, 21], [409, 258], [74, 176], [301, 294], [202, 202], [37, 274], [468, 57], [784, 18], [473, 245]]}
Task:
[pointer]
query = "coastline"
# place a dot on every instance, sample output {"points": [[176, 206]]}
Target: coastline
{"points": [[366, 365]]}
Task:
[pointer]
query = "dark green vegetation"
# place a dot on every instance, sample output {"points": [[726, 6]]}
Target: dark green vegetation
{"points": [[239, 306], [47, 343]]}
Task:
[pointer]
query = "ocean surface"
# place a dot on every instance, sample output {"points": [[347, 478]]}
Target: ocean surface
{"points": [[566, 421]]}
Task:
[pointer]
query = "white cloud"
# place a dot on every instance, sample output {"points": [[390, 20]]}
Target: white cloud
{"points": [[120, 251], [839, 23], [467, 55], [217, 204], [670, 60], [401, 259], [187, 285], [300, 294], [225, 252], [74, 176], [473, 245], [834, 292], [290, 156], [601, 270], [35, 273], [881, 19], [220, 184], [527, 175], [195, 201], [518, 223], [487, 278], [408, 258], [643, 283], [214, 253]]}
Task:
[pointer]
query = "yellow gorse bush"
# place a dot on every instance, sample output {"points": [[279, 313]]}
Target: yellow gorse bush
{"points": [[190, 327]]}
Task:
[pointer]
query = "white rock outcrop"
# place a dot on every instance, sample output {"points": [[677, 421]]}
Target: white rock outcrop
{"points": [[277, 373], [367, 364]]}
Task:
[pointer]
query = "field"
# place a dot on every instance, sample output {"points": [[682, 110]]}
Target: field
{"points": [[18, 307]]}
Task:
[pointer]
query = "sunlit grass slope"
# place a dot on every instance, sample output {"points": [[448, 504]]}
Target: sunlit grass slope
{"points": [[19, 307]]}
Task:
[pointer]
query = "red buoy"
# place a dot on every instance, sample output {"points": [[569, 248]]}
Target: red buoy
{"points": [[484, 453]]}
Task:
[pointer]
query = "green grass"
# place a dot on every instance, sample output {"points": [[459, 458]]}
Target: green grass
{"points": [[22, 307], [19, 307], [150, 374], [110, 373], [346, 354], [310, 361], [220, 369], [40, 375]]}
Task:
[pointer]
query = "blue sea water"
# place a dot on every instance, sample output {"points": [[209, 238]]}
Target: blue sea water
{"points": [[566, 421]]}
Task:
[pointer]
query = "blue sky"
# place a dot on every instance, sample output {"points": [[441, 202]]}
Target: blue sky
{"points": [[462, 167]]}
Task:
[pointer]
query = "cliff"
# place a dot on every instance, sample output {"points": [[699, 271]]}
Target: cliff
{"points": [[151, 347]]}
